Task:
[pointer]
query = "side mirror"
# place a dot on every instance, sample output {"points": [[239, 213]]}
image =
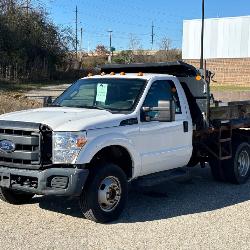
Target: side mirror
{"points": [[165, 112], [47, 100]]}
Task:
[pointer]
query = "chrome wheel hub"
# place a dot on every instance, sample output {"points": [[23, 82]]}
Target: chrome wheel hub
{"points": [[243, 163], [109, 193]]}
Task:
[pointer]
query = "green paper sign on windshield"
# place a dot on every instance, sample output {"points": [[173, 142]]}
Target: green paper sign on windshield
{"points": [[101, 92]]}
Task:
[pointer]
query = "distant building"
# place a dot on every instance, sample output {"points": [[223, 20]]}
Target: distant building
{"points": [[226, 47]]}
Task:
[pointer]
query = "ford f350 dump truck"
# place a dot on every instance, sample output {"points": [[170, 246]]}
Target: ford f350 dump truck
{"points": [[127, 124]]}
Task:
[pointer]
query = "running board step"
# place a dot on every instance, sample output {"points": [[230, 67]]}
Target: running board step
{"points": [[155, 179], [226, 157]]}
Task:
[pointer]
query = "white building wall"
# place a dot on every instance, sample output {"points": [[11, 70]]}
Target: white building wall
{"points": [[223, 38]]}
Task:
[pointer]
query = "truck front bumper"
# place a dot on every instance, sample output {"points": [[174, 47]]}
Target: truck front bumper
{"points": [[52, 181]]}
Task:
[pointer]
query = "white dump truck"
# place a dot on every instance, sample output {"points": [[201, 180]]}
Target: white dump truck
{"points": [[131, 123]]}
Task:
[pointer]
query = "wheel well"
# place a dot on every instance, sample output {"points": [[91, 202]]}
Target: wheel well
{"points": [[117, 155]]}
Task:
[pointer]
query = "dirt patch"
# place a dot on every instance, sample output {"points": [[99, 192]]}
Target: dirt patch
{"points": [[10, 102]]}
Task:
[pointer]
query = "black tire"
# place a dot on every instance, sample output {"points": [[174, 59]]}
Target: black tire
{"points": [[14, 197], [90, 203], [234, 171], [228, 170]]}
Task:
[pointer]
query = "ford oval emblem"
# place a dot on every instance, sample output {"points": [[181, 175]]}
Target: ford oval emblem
{"points": [[7, 146]]}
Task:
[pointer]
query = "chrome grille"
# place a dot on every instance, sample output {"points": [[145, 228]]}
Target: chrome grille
{"points": [[26, 137]]}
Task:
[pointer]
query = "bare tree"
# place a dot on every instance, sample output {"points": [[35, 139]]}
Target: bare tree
{"points": [[100, 50], [134, 43], [165, 44]]}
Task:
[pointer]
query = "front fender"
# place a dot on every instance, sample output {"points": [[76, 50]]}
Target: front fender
{"points": [[95, 145]]}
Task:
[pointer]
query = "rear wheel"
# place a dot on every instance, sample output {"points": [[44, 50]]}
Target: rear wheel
{"points": [[105, 194], [14, 197], [235, 170]]}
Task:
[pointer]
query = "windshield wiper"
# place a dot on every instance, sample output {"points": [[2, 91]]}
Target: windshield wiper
{"points": [[92, 107], [97, 107]]}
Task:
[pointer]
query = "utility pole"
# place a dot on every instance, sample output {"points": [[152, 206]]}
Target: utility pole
{"points": [[152, 35], [81, 40], [110, 46], [202, 34], [27, 7], [76, 30]]}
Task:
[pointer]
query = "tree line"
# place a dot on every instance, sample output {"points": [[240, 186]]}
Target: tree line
{"points": [[31, 46], [134, 54]]}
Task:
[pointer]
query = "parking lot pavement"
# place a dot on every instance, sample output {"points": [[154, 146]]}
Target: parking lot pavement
{"points": [[53, 91], [197, 214]]}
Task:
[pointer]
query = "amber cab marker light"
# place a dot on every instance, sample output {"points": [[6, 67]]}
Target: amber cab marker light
{"points": [[112, 73], [122, 73], [103, 74], [198, 77], [173, 90], [140, 74], [90, 74]]}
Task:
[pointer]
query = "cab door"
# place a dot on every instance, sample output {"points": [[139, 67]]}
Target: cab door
{"points": [[164, 145]]}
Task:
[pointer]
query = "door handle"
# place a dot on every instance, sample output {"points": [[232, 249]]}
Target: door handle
{"points": [[185, 126]]}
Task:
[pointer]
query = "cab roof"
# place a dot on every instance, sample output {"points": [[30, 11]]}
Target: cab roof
{"points": [[146, 76]]}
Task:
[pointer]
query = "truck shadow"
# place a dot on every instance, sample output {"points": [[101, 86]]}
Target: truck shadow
{"points": [[168, 200]]}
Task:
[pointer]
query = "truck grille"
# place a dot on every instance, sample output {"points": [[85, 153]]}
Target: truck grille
{"points": [[27, 138]]}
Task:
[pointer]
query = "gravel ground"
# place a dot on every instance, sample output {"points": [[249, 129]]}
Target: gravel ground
{"points": [[198, 214]]}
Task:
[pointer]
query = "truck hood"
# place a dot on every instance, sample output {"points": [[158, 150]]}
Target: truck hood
{"points": [[67, 119]]}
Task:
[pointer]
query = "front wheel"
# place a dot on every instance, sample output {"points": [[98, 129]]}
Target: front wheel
{"points": [[105, 194], [14, 197]]}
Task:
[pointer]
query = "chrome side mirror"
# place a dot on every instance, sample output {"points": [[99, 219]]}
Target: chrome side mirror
{"points": [[165, 112]]}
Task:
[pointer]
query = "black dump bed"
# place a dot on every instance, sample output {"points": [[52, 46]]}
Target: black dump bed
{"points": [[178, 68]]}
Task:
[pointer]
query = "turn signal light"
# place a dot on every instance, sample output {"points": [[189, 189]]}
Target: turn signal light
{"points": [[122, 74], [140, 74], [90, 74], [80, 142], [112, 73]]}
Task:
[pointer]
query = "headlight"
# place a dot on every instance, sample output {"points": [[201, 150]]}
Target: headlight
{"points": [[67, 145]]}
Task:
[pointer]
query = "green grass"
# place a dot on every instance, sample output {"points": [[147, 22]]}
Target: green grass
{"points": [[225, 87], [23, 87]]}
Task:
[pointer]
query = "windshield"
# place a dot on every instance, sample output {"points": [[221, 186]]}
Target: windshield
{"points": [[110, 94]]}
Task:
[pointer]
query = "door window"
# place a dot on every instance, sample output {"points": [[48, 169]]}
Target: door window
{"points": [[162, 90]]}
